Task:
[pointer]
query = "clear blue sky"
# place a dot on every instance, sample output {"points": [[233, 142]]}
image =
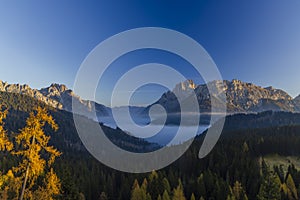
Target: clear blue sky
{"points": [[256, 41]]}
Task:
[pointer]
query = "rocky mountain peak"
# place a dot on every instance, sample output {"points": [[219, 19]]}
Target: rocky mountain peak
{"points": [[57, 96], [54, 89], [236, 82], [55, 92], [58, 87], [184, 89], [241, 96], [185, 86]]}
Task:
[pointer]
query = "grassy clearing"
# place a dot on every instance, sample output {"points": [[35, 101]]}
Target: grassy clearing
{"points": [[284, 161]]}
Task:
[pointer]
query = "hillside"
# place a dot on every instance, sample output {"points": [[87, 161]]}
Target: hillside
{"points": [[58, 96], [66, 138]]}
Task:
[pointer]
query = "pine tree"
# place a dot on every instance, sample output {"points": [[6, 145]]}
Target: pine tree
{"points": [[178, 193], [270, 186], [245, 147], [193, 197], [155, 186], [159, 197], [144, 184], [238, 191], [201, 185], [69, 188], [230, 197], [140, 193], [166, 195], [148, 196], [166, 185], [135, 192]]}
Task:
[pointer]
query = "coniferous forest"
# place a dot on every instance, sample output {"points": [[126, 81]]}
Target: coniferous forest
{"points": [[238, 167], [149, 100]]}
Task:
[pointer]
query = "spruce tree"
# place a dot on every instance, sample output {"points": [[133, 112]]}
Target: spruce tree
{"points": [[270, 186], [166, 195], [193, 197], [238, 191], [178, 193]]}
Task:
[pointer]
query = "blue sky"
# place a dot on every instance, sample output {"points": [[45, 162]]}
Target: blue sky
{"points": [[46, 41]]}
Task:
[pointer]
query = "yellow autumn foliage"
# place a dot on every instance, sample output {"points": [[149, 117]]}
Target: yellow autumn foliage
{"points": [[5, 144], [36, 159]]}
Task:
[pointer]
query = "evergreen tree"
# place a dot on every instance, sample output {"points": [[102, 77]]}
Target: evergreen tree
{"points": [[159, 197], [238, 192], [136, 191], [178, 193], [155, 186], [148, 196], [140, 193], [201, 186], [166, 195], [270, 186], [166, 185], [193, 197], [144, 184], [69, 189]]}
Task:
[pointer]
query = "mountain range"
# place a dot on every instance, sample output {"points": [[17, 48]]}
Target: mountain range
{"points": [[58, 96], [241, 97]]}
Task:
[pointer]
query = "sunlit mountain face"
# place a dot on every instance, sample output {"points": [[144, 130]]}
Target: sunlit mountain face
{"points": [[242, 97], [248, 151]]}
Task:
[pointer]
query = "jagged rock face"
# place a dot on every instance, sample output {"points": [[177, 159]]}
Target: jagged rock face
{"points": [[249, 97], [61, 94], [26, 90], [184, 89], [57, 96], [241, 97], [65, 96], [170, 100]]}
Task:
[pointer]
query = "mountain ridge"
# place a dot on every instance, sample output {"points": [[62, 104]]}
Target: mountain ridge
{"points": [[58, 96], [241, 97]]}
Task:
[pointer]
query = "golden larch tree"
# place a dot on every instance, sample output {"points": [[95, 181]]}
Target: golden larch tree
{"points": [[36, 155]]}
